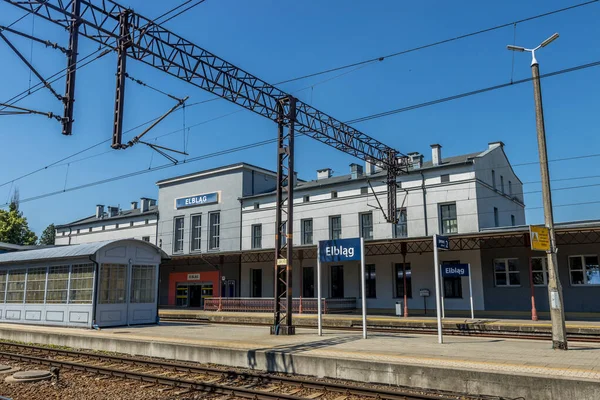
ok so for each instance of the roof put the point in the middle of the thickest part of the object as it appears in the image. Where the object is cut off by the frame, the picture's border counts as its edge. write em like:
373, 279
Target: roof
336, 180
214, 171
10, 246
62, 252
124, 214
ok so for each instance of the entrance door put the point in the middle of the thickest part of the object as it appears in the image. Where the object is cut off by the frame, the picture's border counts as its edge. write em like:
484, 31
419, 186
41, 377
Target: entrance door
337, 281
256, 283
228, 288
195, 295
308, 282
113, 293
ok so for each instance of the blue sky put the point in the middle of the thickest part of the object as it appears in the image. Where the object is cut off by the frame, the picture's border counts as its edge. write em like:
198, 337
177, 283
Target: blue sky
281, 40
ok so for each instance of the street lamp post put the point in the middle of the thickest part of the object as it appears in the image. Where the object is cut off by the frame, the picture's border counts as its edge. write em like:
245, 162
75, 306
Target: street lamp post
557, 314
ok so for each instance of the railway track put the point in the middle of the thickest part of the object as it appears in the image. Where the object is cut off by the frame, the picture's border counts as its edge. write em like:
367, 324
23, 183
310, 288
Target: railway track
231, 383
416, 330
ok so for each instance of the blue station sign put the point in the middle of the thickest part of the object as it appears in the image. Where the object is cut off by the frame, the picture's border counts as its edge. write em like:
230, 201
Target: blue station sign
454, 270
197, 200
339, 250
442, 242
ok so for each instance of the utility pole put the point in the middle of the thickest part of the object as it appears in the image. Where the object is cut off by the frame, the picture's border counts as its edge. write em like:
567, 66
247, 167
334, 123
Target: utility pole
557, 313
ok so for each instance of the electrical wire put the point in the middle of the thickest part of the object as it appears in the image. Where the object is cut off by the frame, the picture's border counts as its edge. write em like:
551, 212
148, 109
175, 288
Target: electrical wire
187, 9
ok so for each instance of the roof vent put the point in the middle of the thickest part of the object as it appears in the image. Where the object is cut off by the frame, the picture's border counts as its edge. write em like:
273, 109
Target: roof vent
356, 170
134, 205
415, 160
436, 154
113, 211
99, 211
324, 173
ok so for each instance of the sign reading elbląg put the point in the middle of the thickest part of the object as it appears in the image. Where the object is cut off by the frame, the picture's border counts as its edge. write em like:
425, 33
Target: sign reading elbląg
454, 270
339, 250
197, 200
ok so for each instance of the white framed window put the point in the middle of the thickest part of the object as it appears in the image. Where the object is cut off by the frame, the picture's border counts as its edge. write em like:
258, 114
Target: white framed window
112, 284
36, 285
502, 183
494, 179
143, 279
215, 230
366, 225
512, 220
506, 272
178, 227
58, 284
307, 231
15, 291
196, 236
496, 217
81, 284
401, 228
449, 221
510, 188
539, 271
584, 270
335, 227
257, 236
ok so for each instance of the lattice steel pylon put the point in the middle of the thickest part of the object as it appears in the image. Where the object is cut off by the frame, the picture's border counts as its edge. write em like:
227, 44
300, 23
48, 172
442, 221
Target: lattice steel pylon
152, 44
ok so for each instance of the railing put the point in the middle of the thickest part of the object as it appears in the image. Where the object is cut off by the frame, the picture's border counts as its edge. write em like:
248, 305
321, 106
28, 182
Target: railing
266, 304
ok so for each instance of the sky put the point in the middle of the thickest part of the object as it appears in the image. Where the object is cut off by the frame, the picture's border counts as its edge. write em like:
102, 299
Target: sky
280, 40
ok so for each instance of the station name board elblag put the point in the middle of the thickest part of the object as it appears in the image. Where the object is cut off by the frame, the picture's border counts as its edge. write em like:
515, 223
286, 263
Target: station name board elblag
197, 200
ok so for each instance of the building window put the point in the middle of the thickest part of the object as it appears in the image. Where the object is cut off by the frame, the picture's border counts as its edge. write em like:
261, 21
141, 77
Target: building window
335, 227
364, 190
146, 238
2, 285
257, 236
509, 188
256, 282
306, 199
512, 220
337, 281
401, 228
370, 282
116, 226
78, 230
36, 285
178, 227
539, 271
506, 272
58, 285
307, 231
215, 230
399, 278
81, 284
196, 234
112, 284
501, 183
256, 206
584, 270
308, 282
146, 222
90, 229
131, 223
15, 292
496, 217
143, 282
334, 194
103, 227
445, 178
63, 234
452, 284
448, 218
366, 226
494, 179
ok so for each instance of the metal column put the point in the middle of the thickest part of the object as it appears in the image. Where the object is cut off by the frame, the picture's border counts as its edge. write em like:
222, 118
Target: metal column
123, 43
282, 324
69, 97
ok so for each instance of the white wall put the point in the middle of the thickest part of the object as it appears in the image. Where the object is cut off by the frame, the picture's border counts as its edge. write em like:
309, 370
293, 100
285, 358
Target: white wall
110, 232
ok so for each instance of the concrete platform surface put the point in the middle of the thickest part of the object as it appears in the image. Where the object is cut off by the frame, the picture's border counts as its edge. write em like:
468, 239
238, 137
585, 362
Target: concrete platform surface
490, 366
387, 321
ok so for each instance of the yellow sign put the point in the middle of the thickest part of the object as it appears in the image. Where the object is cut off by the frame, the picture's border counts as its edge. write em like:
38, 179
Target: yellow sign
540, 238
282, 261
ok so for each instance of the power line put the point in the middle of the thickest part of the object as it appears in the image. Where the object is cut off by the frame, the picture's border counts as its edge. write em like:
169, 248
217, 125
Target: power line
414, 49
181, 12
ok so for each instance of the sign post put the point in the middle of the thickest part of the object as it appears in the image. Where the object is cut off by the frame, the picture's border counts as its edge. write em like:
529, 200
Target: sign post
540, 241
460, 270
440, 242
319, 310
339, 251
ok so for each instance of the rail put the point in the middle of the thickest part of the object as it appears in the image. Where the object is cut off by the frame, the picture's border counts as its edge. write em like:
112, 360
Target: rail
266, 304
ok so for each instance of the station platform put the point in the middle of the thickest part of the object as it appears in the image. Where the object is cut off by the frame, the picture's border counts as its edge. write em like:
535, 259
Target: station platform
508, 368
452, 325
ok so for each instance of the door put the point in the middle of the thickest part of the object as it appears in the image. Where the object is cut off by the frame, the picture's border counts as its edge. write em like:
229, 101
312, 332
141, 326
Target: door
111, 309
182, 296
256, 283
229, 288
308, 282
195, 295
337, 281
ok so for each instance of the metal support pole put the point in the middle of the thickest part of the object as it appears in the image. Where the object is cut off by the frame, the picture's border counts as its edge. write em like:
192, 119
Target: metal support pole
436, 273
404, 283
282, 324
124, 42
555, 295
69, 97
471, 293
319, 308
362, 285
534, 316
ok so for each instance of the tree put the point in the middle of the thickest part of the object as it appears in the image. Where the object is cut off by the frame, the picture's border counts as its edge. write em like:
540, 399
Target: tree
14, 228
48, 235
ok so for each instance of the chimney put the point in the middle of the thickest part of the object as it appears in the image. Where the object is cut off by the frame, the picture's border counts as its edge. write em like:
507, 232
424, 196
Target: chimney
99, 211
113, 211
151, 202
436, 154
356, 170
415, 159
145, 204
323, 173
134, 205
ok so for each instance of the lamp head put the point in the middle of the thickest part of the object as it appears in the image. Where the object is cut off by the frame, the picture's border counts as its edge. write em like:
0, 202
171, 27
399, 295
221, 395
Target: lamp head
515, 48
549, 40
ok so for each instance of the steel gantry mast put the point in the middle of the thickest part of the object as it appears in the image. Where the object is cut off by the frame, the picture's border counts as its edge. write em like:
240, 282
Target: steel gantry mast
134, 36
